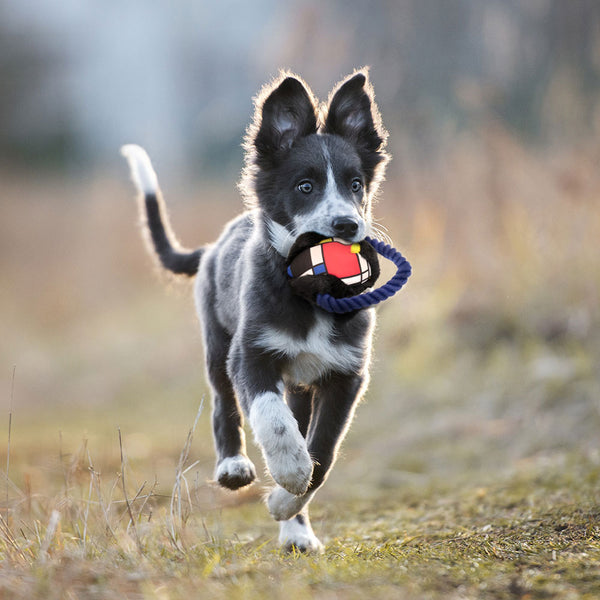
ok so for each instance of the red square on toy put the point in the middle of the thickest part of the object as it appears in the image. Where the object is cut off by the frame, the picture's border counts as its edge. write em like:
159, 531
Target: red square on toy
340, 259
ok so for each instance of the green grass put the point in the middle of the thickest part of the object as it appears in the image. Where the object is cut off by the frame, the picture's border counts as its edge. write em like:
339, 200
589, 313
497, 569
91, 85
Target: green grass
535, 534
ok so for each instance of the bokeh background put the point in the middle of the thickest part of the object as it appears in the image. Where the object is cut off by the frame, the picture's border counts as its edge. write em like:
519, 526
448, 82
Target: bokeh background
486, 363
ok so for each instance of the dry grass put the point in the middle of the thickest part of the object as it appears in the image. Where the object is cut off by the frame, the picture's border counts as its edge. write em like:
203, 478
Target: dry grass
472, 468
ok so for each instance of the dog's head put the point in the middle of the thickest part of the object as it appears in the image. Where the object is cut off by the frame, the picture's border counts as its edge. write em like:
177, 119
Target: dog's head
315, 169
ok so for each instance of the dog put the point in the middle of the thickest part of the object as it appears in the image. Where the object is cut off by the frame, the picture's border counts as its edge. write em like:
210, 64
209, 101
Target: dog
295, 371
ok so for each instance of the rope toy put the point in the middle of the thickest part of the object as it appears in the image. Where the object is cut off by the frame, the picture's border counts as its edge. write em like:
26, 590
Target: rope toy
332, 273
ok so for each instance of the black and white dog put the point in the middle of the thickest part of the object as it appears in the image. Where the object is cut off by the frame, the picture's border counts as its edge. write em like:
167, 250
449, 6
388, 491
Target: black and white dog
295, 371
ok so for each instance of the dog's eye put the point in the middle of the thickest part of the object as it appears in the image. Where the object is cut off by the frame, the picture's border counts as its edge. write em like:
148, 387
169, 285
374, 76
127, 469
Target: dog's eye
305, 187
356, 185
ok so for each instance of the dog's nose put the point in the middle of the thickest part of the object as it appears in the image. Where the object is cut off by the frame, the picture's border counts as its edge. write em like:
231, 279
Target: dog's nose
345, 227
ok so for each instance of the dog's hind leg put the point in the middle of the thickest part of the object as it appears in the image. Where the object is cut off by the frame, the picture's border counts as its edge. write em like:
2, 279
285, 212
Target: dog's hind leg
234, 469
299, 399
297, 534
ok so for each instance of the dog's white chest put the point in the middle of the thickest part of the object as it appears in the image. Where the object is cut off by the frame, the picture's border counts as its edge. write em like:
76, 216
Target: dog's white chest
312, 357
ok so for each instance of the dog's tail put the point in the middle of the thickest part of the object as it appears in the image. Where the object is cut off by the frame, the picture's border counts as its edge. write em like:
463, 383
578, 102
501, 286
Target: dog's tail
154, 214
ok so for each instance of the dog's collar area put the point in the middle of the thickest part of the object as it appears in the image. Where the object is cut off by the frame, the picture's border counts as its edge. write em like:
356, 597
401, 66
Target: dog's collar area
280, 238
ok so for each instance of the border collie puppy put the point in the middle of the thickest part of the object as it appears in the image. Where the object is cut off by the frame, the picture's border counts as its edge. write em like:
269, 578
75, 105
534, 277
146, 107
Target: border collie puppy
295, 371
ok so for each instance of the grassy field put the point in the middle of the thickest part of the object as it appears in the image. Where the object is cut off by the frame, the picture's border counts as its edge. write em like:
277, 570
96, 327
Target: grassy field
472, 469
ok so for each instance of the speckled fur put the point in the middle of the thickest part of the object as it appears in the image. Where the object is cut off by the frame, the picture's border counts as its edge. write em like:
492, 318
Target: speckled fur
294, 370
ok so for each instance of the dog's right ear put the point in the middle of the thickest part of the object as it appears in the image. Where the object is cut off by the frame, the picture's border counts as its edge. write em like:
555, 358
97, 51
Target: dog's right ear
287, 113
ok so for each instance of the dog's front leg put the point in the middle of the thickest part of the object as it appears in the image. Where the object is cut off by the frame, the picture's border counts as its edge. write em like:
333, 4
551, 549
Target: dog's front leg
260, 387
334, 403
282, 444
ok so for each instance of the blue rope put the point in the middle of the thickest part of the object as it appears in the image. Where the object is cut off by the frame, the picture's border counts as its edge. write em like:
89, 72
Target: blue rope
344, 305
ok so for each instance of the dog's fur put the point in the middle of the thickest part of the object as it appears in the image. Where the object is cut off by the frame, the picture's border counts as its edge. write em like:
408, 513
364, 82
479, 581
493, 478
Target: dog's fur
295, 371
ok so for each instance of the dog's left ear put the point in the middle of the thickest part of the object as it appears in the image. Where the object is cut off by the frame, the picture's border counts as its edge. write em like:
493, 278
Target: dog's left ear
287, 114
353, 115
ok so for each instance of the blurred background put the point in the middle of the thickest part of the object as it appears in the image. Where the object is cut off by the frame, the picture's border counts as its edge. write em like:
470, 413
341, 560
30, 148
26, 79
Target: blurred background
486, 362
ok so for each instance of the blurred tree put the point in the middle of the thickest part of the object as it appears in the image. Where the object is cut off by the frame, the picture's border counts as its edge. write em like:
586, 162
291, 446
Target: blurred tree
78, 81
33, 131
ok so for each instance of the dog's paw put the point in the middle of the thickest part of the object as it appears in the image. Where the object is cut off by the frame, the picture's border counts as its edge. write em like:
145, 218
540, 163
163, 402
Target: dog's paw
283, 446
296, 535
283, 506
235, 472
292, 470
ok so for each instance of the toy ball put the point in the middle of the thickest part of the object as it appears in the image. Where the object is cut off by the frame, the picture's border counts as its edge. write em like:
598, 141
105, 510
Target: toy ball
335, 257
333, 273
331, 266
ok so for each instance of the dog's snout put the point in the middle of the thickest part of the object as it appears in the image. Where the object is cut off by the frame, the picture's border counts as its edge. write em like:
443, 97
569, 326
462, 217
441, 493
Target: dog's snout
345, 226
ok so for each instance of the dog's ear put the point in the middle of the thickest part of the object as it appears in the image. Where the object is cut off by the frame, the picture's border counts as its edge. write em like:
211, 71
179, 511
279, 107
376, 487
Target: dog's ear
287, 114
353, 115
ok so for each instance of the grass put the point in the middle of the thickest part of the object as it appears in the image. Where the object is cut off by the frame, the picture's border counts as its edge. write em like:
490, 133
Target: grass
471, 471
535, 534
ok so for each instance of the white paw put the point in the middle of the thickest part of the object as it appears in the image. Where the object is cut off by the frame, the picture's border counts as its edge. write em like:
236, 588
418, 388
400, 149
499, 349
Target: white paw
283, 505
297, 534
291, 468
235, 472
283, 446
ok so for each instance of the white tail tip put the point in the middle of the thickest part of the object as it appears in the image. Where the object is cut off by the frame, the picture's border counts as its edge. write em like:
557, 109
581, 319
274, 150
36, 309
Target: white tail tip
142, 173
